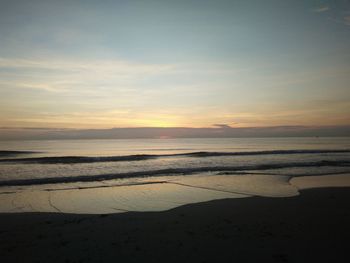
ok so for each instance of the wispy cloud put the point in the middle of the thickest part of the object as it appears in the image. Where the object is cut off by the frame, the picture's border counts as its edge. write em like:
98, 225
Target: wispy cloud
64, 75
105, 93
347, 20
341, 19
321, 9
97, 66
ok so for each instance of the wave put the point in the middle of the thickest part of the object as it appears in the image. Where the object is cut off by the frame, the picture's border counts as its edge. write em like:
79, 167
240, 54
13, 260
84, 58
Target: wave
79, 159
14, 153
169, 172
142, 157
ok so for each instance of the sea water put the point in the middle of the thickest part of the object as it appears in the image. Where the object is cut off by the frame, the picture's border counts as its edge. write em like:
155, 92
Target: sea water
156, 174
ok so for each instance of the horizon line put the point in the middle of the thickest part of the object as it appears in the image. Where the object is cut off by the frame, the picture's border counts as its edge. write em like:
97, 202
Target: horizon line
223, 126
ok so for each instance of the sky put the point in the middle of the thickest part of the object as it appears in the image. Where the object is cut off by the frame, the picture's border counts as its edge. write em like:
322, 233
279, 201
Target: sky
185, 63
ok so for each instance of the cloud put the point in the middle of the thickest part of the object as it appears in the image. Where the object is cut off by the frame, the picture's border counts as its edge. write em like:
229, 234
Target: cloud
222, 126
172, 132
341, 19
321, 9
97, 66
91, 76
347, 20
64, 75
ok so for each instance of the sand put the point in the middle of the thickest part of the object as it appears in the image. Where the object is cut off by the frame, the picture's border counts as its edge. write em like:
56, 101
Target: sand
311, 227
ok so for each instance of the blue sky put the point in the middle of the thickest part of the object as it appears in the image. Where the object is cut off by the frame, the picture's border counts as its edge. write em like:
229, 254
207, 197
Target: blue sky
103, 64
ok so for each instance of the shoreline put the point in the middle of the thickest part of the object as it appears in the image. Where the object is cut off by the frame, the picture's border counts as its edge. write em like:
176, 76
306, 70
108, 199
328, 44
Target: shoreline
313, 226
159, 194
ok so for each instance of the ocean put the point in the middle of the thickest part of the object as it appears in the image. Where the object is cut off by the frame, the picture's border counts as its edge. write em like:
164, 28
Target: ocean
240, 166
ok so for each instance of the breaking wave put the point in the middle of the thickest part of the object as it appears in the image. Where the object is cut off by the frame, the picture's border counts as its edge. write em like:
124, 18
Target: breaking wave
143, 157
172, 171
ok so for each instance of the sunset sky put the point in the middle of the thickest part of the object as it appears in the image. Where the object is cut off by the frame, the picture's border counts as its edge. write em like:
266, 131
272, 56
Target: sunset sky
183, 63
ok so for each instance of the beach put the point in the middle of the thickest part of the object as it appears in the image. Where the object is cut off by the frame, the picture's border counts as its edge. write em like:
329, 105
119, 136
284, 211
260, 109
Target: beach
174, 131
311, 227
193, 200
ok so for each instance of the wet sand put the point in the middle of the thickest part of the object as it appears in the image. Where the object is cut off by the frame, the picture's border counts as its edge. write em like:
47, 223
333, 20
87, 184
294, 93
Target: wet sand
311, 227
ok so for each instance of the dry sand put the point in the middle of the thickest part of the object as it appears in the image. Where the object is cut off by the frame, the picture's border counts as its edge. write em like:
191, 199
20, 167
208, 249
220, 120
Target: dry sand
311, 227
